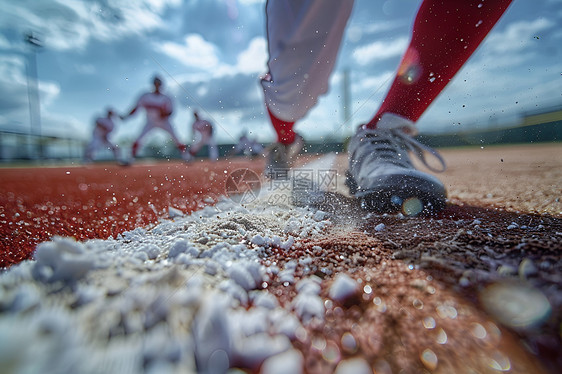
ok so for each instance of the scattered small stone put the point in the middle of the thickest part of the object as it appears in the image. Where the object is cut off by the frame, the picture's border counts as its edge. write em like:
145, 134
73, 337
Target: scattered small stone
349, 343
516, 304
343, 288
420, 284
308, 307
319, 216
429, 359
289, 362
258, 240
264, 300
464, 282
174, 213
242, 276
507, 270
527, 268
310, 285
512, 226
353, 366
286, 245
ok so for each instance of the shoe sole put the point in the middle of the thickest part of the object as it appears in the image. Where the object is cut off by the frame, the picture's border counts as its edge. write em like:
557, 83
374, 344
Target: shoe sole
401, 193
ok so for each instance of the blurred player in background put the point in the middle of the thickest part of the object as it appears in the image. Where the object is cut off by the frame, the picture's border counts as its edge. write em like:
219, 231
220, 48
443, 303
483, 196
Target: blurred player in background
247, 146
202, 134
158, 108
100, 137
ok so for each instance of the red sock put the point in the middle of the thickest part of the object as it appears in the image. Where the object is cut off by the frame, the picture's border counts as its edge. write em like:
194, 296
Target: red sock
444, 36
284, 129
135, 149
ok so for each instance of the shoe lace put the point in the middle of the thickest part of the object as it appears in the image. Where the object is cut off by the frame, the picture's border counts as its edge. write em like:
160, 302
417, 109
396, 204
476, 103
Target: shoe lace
390, 145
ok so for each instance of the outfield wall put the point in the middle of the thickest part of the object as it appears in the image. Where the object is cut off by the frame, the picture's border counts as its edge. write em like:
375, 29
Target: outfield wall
22, 147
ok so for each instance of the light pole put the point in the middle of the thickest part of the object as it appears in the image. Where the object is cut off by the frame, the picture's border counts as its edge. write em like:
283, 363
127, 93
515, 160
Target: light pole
346, 102
33, 91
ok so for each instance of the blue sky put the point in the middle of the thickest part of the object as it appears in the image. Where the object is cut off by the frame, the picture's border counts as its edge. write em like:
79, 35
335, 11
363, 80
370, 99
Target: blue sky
211, 54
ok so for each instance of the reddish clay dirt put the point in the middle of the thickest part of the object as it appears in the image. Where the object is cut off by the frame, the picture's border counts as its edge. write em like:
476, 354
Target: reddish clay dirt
100, 200
422, 306
427, 279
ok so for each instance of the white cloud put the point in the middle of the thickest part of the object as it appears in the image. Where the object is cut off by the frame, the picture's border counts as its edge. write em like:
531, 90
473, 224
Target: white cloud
88, 69
355, 32
157, 5
254, 58
374, 83
4, 43
508, 49
13, 86
194, 52
11, 69
380, 50
14, 92
49, 92
517, 36
494, 89
66, 25
251, 2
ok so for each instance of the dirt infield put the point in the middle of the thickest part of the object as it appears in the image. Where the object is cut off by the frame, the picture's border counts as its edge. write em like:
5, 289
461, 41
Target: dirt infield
100, 200
477, 288
492, 253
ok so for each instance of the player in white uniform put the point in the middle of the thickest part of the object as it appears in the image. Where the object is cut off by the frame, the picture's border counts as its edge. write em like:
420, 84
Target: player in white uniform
100, 137
158, 108
247, 147
304, 37
202, 134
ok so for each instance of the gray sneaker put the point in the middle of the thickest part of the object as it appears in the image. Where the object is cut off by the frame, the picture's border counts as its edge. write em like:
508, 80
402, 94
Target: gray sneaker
381, 173
280, 158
